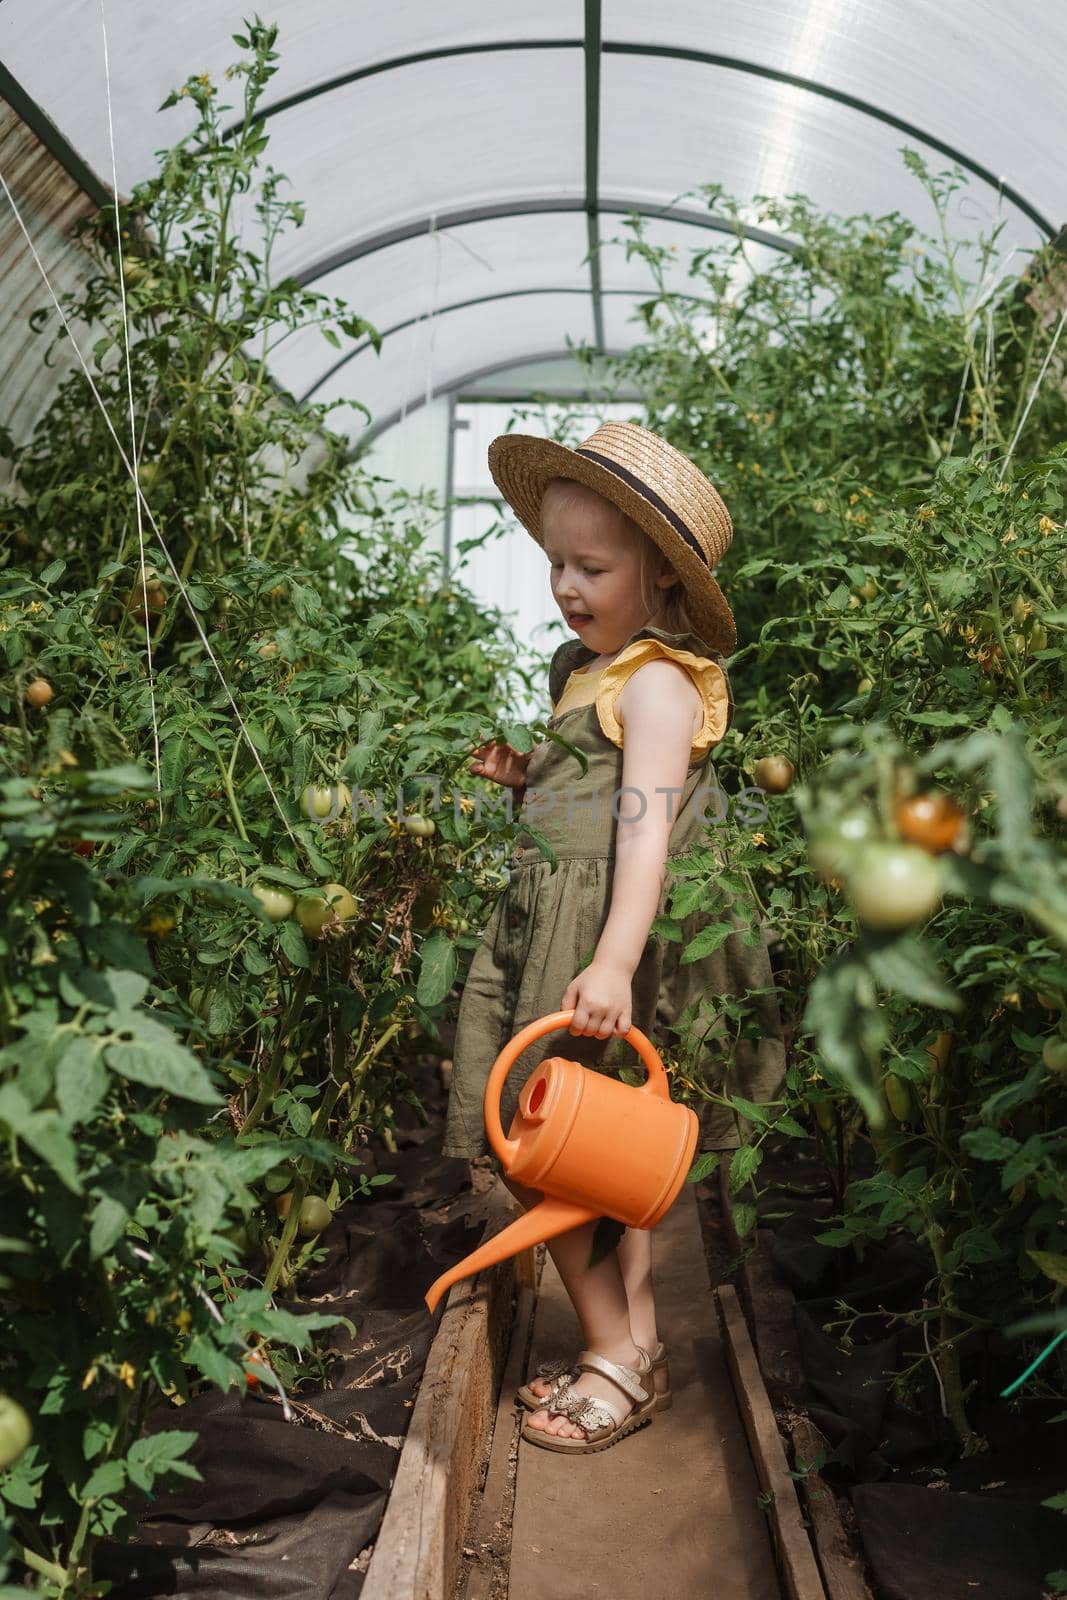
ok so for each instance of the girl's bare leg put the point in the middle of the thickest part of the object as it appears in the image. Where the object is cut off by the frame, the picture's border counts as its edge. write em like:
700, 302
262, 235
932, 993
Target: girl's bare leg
598, 1295
635, 1260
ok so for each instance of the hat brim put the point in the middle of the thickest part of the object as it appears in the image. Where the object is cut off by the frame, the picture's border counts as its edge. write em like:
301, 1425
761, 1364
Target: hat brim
522, 464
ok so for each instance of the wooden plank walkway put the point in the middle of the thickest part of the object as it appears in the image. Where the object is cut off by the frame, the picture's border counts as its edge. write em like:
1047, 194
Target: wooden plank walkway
671, 1511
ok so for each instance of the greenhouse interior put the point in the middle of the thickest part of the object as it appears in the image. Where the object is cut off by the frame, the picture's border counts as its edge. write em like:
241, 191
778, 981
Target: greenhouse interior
533, 800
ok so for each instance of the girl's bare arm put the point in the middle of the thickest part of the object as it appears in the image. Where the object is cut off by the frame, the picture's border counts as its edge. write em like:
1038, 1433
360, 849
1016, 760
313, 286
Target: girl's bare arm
661, 710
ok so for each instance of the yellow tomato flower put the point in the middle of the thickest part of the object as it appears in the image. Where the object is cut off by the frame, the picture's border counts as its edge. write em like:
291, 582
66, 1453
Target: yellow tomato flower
127, 1374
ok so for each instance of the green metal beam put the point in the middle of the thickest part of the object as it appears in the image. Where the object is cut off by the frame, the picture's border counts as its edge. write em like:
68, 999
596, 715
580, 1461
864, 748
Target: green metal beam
413, 58
592, 158
348, 253
460, 384
464, 305
679, 53
855, 103
39, 124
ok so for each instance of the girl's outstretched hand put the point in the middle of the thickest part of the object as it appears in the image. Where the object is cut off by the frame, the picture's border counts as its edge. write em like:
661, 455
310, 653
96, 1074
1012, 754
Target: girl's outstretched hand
500, 763
600, 997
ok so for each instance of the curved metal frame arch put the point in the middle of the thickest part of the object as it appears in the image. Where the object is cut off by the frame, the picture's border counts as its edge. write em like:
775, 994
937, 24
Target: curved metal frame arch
595, 47
461, 382
680, 53
479, 300
527, 208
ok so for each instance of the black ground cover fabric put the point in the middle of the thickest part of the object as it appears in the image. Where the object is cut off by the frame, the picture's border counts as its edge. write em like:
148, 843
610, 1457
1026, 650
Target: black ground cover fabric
932, 1523
285, 1509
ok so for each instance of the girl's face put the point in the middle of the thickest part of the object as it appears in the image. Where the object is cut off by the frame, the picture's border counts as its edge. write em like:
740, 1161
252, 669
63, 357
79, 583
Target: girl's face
596, 570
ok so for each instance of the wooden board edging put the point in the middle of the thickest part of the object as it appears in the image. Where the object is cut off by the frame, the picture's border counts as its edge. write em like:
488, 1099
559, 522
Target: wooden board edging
796, 1560
416, 1555
769, 1304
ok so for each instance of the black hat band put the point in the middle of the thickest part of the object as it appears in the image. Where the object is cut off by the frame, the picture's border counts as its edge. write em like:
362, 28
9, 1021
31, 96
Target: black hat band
634, 482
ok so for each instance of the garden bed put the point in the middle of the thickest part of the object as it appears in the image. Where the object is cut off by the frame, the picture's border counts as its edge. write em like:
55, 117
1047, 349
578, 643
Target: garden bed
887, 1455
289, 1508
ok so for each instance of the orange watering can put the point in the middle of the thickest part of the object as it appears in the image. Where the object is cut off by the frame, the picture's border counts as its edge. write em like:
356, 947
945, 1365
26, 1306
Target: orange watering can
593, 1146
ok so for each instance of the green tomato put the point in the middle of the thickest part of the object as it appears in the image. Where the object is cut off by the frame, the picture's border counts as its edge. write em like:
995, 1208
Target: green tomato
316, 803
898, 1096
277, 905
1054, 1055
834, 839
16, 1431
774, 773
892, 885
421, 827
315, 1215
200, 1002
316, 912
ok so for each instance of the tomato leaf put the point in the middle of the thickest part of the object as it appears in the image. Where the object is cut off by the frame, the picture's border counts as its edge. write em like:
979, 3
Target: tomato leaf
159, 1455
907, 966
108, 1479
745, 1160
109, 1222
437, 969
163, 1065
45, 1134
294, 945
705, 1164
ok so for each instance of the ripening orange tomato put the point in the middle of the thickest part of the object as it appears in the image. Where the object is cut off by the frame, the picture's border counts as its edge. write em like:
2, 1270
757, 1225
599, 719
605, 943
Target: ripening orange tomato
932, 820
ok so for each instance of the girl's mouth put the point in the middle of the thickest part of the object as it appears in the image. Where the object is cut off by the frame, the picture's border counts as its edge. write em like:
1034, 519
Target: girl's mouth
578, 619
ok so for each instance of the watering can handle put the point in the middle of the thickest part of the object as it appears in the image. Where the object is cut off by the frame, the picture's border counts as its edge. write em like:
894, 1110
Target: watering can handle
656, 1082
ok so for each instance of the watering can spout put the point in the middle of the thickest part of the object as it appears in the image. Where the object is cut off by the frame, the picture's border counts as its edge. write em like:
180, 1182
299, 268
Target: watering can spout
544, 1221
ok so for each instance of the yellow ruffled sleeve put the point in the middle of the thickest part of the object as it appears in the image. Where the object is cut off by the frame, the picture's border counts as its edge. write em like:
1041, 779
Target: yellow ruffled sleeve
707, 675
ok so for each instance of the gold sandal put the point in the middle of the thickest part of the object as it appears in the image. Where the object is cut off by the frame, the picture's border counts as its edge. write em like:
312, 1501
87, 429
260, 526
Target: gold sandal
560, 1375
603, 1422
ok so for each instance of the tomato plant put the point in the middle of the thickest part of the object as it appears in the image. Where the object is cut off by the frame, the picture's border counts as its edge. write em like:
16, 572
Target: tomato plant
898, 596
173, 1048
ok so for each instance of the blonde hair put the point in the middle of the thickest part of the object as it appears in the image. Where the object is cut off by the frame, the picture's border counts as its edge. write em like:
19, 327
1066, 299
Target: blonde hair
670, 605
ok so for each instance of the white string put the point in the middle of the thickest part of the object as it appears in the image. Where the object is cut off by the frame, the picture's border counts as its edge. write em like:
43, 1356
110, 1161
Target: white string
433, 310
147, 508
959, 407
268, 1370
1033, 391
133, 421
418, 322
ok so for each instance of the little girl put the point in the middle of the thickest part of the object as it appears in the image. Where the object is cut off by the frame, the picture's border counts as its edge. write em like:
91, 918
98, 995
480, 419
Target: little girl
633, 531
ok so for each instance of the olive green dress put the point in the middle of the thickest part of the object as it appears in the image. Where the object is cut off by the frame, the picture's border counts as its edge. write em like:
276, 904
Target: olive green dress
545, 926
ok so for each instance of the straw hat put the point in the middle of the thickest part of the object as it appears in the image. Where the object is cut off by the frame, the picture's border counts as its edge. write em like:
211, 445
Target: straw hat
651, 482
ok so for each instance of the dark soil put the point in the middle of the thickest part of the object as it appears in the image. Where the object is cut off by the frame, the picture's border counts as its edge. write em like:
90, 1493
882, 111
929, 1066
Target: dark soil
289, 1509
931, 1520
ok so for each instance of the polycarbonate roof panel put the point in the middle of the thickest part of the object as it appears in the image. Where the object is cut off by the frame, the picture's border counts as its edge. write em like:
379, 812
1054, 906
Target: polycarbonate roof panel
433, 272
755, 136
983, 76
55, 50
438, 354
394, 121
429, 139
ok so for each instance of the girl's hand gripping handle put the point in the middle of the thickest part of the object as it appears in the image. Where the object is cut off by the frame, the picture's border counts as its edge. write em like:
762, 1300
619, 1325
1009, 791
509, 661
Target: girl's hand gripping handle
505, 1149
